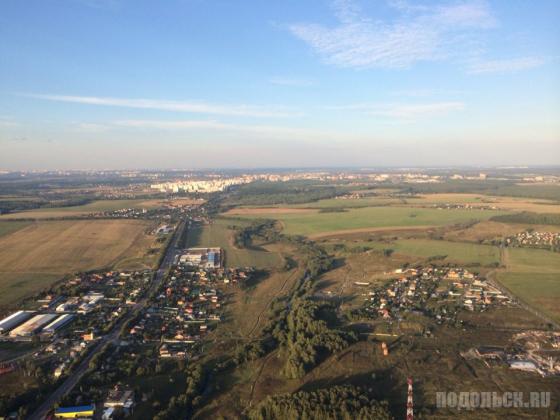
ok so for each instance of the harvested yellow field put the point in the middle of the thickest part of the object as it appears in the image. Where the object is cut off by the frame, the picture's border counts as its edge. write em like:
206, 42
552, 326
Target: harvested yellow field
33, 257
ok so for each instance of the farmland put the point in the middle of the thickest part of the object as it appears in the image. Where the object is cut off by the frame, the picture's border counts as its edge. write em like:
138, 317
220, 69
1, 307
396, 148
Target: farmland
93, 207
474, 200
219, 234
9, 227
41, 253
314, 224
534, 276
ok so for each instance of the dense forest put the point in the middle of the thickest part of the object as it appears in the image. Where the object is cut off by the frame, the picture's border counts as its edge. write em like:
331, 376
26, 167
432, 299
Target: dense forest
488, 187
271, 193
338, 402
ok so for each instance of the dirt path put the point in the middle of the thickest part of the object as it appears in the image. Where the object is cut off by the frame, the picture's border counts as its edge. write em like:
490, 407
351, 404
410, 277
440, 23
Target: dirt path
265, 308
259, 373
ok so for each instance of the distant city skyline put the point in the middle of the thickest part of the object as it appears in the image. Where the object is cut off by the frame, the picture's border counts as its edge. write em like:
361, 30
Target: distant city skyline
109, 84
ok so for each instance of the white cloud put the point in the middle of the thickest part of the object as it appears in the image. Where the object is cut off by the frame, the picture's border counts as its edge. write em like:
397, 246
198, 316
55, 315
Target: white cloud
174, 106
91, 127
419, 34
260, 131
507, 65
408, 112
418, 110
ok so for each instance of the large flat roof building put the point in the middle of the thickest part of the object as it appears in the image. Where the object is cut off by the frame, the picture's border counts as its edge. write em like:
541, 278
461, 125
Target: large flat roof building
33, 326
14, 320
59, 322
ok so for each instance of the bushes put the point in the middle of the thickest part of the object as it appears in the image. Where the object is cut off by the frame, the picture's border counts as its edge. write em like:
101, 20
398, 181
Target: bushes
263, 229
184, 405
338, 402
529, 218
304, 336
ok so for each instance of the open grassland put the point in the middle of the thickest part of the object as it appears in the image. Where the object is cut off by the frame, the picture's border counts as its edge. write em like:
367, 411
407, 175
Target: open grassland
219, 234
488, 230
540, 290
534, 276
94, 207
248, 309
35, 256
475, 200
368, 201
532, 260
322, 224
9, 227
457, 252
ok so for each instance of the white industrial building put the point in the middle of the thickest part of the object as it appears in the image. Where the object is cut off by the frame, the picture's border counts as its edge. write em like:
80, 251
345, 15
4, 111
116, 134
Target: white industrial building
58, 323
33, 326
14, 320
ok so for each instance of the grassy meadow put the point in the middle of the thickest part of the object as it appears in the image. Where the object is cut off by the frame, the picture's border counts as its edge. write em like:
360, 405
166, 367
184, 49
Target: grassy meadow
423, 200
534, 276
218, 234
456, 252
323, 224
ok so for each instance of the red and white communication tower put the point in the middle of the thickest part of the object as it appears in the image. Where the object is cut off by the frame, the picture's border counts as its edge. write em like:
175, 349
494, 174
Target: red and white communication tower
409, 403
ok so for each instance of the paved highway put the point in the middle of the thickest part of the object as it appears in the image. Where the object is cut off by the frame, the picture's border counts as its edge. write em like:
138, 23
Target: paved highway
171, 252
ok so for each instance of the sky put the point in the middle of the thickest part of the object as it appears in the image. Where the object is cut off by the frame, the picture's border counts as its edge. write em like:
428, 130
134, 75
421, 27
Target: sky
132, 84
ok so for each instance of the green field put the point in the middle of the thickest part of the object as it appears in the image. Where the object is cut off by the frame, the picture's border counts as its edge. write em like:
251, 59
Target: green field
532, 260
218, 234
459, 252
93, 207
427, 200
534, 276
349, 203
314, 223
9, 227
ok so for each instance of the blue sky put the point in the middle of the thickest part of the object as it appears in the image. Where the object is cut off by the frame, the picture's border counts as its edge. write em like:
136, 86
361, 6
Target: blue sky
220, 83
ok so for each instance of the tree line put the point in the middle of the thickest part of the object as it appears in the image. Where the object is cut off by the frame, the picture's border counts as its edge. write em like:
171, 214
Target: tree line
334, 403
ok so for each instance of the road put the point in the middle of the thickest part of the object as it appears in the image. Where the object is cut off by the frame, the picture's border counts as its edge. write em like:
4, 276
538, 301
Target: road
69, 383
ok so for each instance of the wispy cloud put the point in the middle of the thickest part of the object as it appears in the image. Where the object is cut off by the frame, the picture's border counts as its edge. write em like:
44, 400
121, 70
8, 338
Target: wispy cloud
423, 93
409, 112
8, 122
268, 131
174, 106
420, 33
507, 65
91, 127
